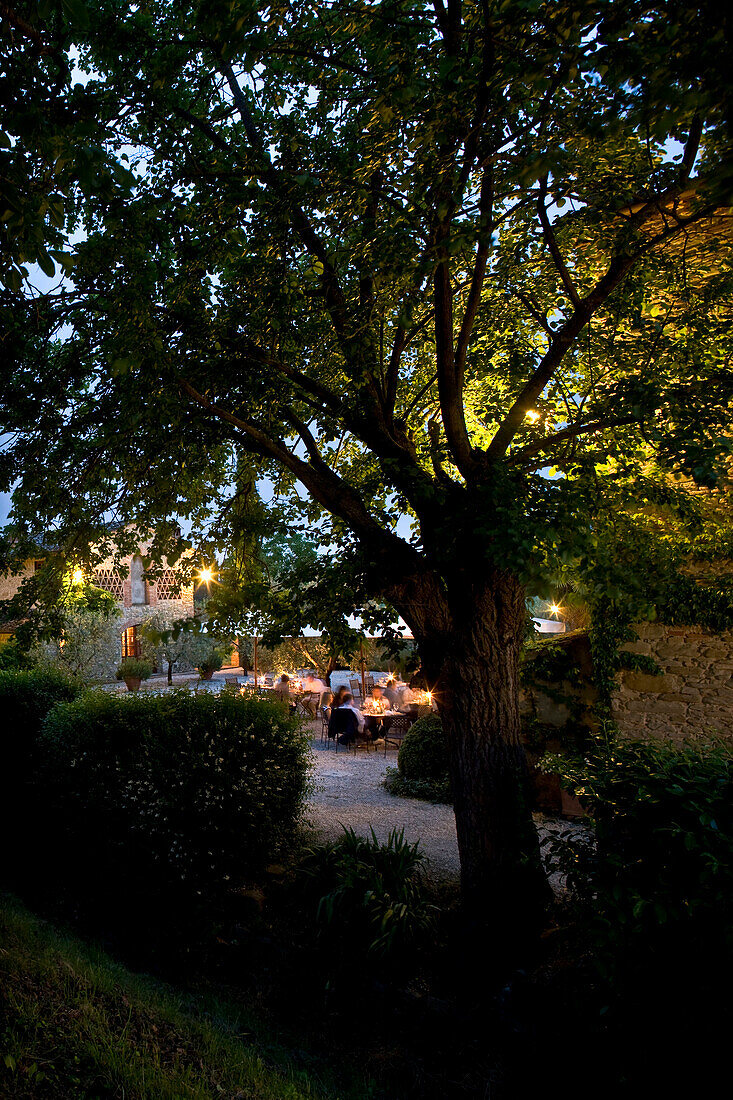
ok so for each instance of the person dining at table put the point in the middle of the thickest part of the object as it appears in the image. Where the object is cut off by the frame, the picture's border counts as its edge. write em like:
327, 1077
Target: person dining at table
377, 704
283, 689
346, 703
315, 687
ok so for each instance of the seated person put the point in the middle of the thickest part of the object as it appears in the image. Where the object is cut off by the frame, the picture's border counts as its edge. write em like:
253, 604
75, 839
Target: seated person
376, 704
316, 687
283, 690
347, 703
391, 691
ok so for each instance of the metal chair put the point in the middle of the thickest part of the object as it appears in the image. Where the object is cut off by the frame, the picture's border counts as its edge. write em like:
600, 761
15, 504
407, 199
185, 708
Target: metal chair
369, 684
343, 724
325, 719
397, 732
355, 686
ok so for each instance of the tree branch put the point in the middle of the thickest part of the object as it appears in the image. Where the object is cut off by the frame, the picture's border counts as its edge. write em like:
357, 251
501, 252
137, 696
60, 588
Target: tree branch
571, 432
332, 492
450, 375
551, 243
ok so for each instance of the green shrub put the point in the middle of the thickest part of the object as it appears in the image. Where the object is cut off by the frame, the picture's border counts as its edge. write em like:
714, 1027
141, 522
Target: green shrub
153, 794
26, 698
211, 663
134, 668
428, 790
424, 752
659, 877
13, 656
371, 894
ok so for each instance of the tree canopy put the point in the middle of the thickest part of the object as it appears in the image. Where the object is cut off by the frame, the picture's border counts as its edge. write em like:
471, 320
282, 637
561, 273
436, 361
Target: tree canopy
466, 262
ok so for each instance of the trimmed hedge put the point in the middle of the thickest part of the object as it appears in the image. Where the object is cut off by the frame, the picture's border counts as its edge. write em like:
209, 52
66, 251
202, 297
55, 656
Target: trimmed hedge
424, 752
422, 763
26, 698
178, 792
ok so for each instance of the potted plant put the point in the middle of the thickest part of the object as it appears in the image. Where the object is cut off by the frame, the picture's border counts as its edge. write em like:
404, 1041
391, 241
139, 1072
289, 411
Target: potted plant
210, 664
133, 670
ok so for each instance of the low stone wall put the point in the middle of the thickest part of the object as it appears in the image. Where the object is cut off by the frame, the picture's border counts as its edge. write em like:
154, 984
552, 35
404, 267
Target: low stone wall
694, 695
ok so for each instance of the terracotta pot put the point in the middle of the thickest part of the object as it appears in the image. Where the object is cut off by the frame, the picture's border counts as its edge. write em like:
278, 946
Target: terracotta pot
133, 683
206, 675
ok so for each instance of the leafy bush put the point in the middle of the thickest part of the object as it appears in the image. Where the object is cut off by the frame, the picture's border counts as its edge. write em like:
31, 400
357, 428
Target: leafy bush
26, 697
422, 763
134, 668
13, 656
371, 893
428, 790
176, 792
659, 878
211, 663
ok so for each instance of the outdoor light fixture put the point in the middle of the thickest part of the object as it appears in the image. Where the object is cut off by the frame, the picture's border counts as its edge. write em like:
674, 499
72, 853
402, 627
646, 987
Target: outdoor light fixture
206, 576
532, 415
555, 609
77, 576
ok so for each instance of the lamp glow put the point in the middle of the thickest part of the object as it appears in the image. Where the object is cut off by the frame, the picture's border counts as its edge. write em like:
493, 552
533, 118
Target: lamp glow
206, 576
77, 576
532, 415
555, 609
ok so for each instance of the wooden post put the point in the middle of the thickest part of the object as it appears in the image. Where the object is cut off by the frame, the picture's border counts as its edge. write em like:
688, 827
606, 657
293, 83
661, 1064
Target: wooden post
255, 659
363, 679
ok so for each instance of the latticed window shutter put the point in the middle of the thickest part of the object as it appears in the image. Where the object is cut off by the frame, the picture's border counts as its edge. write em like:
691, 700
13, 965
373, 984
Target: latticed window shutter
110, 580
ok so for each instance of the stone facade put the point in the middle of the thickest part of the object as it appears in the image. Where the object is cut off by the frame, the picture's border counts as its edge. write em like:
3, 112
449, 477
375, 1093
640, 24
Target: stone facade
694, 694
137, 598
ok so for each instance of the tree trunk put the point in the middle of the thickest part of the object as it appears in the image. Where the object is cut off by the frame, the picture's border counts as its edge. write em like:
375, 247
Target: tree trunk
170, 672
472, 665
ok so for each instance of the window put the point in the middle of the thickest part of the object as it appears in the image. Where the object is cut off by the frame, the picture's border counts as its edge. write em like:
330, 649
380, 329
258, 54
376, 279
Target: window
110, 580
131, 643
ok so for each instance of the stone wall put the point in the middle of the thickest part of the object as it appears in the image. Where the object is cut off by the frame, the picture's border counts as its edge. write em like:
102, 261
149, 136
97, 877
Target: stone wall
694, 694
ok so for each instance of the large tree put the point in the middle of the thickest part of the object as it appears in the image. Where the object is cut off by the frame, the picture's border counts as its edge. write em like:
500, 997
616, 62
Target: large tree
460, 261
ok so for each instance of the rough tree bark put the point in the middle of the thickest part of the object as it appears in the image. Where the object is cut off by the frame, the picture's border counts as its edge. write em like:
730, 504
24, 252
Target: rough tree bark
469, 635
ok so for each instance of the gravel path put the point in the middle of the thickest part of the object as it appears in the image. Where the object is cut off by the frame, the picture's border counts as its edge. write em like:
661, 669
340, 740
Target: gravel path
349, 792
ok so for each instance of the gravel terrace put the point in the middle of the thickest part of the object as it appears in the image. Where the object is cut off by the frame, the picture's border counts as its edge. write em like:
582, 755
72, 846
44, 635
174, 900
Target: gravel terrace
349, 792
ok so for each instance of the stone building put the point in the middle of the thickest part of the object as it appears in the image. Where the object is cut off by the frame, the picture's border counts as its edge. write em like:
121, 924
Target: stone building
138, 599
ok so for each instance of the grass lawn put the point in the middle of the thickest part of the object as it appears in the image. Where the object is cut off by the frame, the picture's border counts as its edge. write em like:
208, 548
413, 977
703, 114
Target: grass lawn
75, 1024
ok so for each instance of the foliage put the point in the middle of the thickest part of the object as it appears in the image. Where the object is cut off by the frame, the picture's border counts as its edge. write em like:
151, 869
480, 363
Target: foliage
658, 880
212, 662
26, 698
688, 601
373, 892
639, 662
548, 661
178, 642
13, 656
424, 752
407, 259
150, 795
134, 668
427, 790
76, 1023
89, 644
